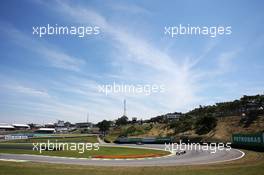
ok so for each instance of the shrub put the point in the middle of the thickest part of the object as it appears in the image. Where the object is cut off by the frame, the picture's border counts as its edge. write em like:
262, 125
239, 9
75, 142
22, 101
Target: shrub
205, 124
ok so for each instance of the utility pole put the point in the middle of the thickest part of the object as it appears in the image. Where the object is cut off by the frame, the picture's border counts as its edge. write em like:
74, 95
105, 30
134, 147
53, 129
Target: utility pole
124, 107
87, 118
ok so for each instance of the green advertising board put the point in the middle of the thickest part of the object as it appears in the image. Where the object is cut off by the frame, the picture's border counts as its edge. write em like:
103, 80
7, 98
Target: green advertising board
256, 139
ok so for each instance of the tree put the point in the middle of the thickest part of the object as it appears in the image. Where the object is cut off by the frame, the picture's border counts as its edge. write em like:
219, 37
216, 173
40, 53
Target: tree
205, 124
250, 117
104, 126
122, 121
184, 124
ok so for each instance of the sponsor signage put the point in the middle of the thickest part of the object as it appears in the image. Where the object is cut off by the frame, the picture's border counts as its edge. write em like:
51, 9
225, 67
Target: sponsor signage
248, 139
18, 136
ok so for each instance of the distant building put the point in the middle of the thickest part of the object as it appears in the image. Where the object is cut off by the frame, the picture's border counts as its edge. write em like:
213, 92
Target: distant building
173, 116
21, 126
49, 125
60, 123
6, 127
45, 131
35, 126
134, 119
84, 125
62, 129
69, 125
95, 130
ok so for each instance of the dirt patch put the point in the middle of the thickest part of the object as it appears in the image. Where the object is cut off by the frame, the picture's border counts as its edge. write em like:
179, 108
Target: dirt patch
128, 156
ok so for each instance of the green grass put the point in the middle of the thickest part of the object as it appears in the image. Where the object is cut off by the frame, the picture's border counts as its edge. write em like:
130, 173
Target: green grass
73, 135
110, 138
251, 164
87, 154
77, 138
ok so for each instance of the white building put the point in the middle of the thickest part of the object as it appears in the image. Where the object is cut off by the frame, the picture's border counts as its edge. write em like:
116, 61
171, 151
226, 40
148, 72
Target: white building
45, 131
60, 123
6, 127
21, 126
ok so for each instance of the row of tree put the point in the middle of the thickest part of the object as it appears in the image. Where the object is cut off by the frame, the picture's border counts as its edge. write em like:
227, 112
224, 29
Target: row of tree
105, 125
236, 107
201, 124
202, 119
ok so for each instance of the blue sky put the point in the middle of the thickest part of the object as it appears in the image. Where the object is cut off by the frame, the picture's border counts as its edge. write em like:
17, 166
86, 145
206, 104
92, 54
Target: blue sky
57, 77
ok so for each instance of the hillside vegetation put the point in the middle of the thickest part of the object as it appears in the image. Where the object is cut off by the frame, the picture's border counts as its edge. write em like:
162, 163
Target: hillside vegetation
206, 123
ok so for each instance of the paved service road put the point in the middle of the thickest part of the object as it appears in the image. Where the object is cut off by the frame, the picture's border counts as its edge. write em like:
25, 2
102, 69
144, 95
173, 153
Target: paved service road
189, 158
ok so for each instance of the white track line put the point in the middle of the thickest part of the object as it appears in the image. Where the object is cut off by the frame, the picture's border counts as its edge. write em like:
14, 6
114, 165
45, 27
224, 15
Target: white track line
14, 160
222, 161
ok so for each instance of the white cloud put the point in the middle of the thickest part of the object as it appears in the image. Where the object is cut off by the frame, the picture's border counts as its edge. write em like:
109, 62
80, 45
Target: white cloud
136, 53
24, 90
55, 56
61, 60
139, 61
30, 91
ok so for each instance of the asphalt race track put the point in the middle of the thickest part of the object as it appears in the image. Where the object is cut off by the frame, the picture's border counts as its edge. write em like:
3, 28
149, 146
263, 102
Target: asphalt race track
192, 157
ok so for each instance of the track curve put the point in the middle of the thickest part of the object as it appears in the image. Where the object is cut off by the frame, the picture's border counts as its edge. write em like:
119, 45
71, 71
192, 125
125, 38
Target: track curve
192, 157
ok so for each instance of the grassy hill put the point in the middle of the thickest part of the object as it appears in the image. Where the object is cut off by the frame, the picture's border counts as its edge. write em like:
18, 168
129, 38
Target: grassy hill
222, 132
231, 124
206, 123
